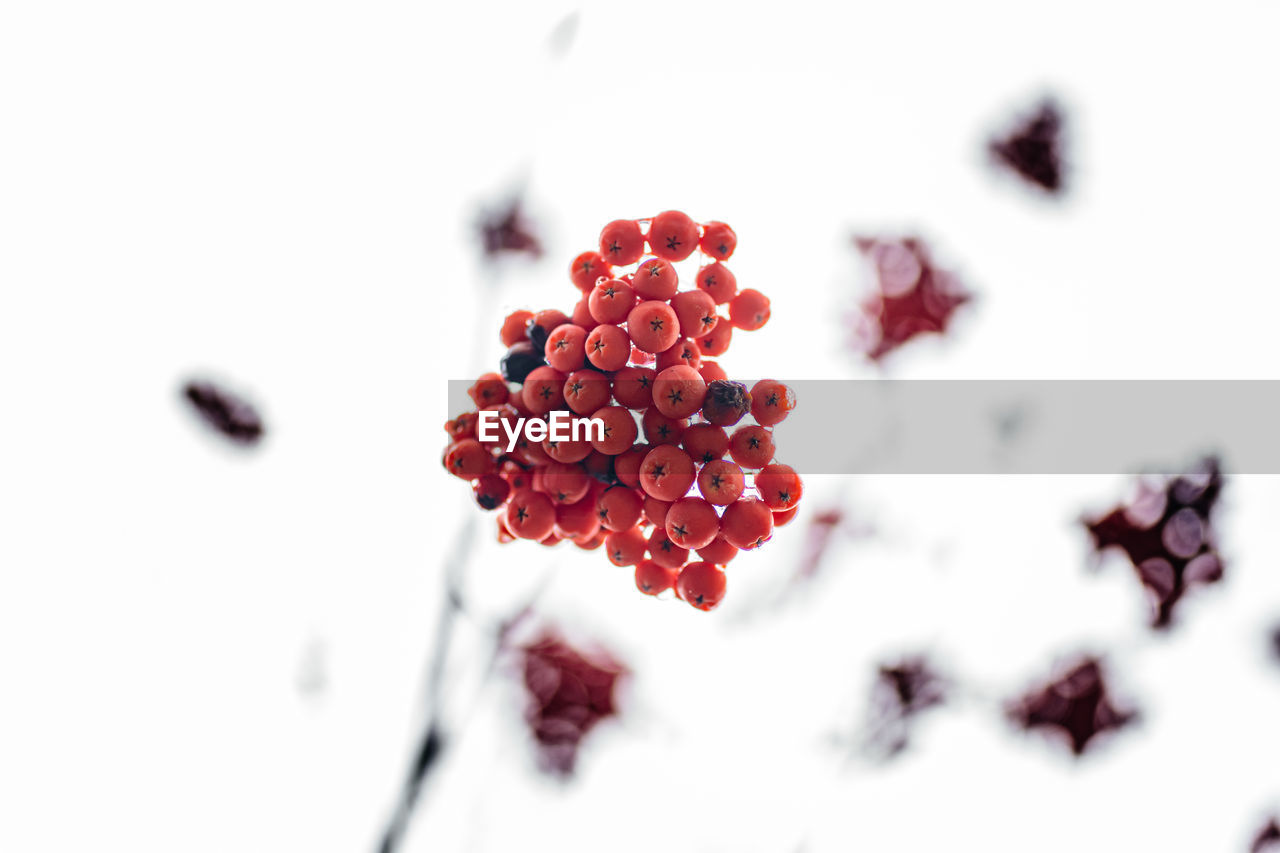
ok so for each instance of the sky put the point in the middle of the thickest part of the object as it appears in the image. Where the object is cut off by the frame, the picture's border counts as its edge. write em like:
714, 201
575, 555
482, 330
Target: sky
208, 649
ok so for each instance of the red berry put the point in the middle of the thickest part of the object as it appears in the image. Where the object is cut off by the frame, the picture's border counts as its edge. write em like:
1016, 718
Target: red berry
598, 466
468, 459
684, 351
585, 391
577, 520
726, 402
655, 279
679, 391
621, 242
692, 523
587, 268
625, 547
543, 324
718, 240
779, 487
504, 535
567, 450
611, 301
530, 515
711, 371
581, 315
672, 235
566, 347
639, 356
626, 466
664, 552
721, 482
543, 390
654, 579
608, 347
464, 425
655, 511
563, 482
715, 342
771, 402
784, 517
718, 282
633, 387
719, 552
660, 429
749, 310
696, 311
514, 327
620, 430
702, 584
751, 446
490, 491
619, 508
667, 473
747, 523
653, 326
489, 390
592, 542
705, 442
516, 476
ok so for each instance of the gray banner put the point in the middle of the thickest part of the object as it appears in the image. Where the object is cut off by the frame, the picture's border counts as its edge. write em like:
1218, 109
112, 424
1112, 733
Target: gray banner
1023, 426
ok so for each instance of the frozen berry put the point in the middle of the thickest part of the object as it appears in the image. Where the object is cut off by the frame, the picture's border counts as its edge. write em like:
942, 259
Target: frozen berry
779, 487
608, 347
621, 242
718, 240
655, 279
653, 326
696, 311
660, 429
468, 459
692, 523
653, 578
705, 442
565, 347
721, 482
611, 301
588, 268
619, 508
530, 515
747, 523
771, 402
514, 328
633, 387
751, 446
667, 473
625, 547
702, 585
679, 391
543, 390
664, 552
716, 342
672, 235
719, 551
585, 391
718, 282
749, 310
620, 430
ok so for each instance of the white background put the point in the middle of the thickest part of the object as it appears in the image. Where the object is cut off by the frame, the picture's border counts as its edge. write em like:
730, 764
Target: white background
283, 194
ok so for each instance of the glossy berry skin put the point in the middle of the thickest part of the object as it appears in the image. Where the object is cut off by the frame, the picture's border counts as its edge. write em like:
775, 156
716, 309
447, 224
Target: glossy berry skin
726, 402
585, 391
653, 326
692, 523
468, 459
489, 390
721, 482
620, 430
655, 579
719, 552
751, 446
514, 328
715, 342
586, 269
660, 429
771, 402
683, 352
633, 387
530, 515
747, 523
611, 301
679, 391
717, 282
626, 466
608, 347
696, 311
655, 279
779, 486
702, 585
564, 482
619, 508
784, 517
566, 347
705, 442
718, 241
490, 491
625, 547
543, 324
581, 315
655, 511
672, 235
711, 371
749, 310
621, 242
664, 552
543, 390
667, 473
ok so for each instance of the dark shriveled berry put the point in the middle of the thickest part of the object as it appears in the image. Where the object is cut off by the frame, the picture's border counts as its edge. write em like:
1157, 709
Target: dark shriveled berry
521, 359
726, 402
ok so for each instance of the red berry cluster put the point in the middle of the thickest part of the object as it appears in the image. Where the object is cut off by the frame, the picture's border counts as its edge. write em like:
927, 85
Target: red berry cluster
633, 354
